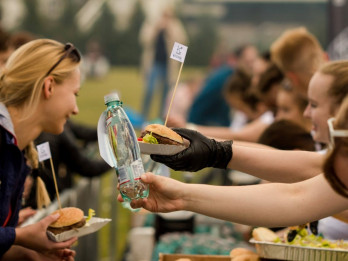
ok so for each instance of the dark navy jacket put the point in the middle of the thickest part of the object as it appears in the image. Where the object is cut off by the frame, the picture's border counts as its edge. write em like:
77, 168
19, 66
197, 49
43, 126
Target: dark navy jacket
13, 171
210, 107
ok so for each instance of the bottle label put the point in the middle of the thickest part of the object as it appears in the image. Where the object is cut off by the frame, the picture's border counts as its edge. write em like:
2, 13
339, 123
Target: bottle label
138, 169
123, 175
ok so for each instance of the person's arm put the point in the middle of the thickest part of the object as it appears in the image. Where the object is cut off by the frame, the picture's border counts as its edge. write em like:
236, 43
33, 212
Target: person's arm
270, 205
276, 165
272, 165
251, 132
16, 253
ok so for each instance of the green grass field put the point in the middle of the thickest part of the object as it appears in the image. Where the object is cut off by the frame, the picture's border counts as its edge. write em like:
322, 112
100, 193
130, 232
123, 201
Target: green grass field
128, 83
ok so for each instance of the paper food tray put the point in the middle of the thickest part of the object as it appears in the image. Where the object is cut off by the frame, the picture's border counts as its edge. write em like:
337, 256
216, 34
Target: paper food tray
160, 149
292, 252
93, 225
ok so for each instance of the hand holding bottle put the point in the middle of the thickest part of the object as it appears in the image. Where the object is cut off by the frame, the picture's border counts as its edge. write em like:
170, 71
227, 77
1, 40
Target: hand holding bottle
202, 152
166, 194
124, 148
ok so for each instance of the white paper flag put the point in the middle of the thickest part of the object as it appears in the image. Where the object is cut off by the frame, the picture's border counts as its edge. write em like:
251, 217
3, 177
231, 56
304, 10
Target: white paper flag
44, 151
179, 52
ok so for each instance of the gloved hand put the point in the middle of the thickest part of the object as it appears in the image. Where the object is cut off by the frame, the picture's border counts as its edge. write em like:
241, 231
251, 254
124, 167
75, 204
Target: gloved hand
201, 153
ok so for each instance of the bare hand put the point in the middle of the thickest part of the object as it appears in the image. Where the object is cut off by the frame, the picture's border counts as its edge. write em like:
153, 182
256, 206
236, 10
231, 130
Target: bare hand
34, 237
21, 253
24, 214
58, 255
165, 195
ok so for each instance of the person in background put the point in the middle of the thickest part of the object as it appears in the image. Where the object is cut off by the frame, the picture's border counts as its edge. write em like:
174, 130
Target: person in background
17, 39
4, 47
291, 106
10, 42
298, 55
250, 114
95, 64
210, 108
221, 56
26, 92
268, 85
287, 135
157, 39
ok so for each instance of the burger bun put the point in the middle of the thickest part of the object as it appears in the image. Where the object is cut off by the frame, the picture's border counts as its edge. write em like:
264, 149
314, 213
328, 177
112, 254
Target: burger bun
69, 218
164, 132
264, 234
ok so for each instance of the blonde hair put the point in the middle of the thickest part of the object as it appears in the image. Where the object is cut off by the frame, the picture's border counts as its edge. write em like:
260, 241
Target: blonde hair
22, 79
339, 87
297, 50
341, 147
32, 155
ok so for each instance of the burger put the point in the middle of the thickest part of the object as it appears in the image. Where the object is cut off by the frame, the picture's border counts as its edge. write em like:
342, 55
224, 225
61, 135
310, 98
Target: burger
160, 134
70, 218
264, 234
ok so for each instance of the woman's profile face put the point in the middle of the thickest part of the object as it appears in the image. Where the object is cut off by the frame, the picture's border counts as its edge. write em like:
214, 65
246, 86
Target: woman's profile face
61, 104
319, 108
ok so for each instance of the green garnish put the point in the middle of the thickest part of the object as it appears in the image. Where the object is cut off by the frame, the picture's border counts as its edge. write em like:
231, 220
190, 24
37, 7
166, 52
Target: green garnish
148, 138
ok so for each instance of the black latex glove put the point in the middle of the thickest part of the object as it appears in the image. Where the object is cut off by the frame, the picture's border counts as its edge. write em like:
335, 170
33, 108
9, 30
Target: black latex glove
201, 153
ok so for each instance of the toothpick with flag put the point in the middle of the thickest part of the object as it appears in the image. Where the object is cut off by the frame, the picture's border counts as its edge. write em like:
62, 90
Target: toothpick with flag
44, 152
178, 53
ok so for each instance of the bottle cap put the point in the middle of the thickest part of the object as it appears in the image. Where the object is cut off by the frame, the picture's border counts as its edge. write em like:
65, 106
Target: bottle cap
111, 97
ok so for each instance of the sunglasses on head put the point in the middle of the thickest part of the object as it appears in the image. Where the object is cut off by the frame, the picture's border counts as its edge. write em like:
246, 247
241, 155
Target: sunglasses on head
69, 48
335, 133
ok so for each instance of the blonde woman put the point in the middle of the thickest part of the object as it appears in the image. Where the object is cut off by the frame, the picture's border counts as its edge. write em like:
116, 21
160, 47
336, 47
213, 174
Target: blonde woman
38, 89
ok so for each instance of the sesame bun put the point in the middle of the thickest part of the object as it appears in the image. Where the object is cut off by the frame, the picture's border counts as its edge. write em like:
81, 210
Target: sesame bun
264, 234
69, 218
165, 132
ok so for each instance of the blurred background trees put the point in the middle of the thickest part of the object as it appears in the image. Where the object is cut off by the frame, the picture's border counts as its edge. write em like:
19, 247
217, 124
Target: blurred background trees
115, 23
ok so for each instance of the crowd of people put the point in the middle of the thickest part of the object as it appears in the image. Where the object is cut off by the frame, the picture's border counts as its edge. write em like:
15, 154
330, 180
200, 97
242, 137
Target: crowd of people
281, 116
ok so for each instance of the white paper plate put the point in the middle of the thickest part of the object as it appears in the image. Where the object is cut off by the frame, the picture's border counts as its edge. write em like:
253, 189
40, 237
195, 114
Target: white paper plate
160, 149
93, 225
292, 252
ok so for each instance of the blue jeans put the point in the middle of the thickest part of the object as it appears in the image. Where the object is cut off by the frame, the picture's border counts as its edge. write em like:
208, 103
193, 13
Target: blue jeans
158, 74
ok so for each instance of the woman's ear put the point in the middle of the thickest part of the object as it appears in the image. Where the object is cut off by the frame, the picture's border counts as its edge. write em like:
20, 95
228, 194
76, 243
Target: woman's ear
48, 87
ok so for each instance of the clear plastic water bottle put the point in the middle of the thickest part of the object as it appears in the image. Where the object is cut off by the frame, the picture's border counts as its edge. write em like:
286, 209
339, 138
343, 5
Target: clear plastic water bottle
125, 149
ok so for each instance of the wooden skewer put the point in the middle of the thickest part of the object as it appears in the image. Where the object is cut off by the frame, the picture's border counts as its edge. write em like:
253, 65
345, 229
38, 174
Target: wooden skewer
55, 184
171, 100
